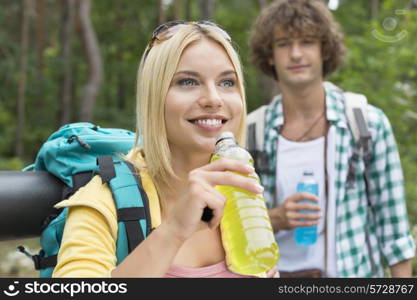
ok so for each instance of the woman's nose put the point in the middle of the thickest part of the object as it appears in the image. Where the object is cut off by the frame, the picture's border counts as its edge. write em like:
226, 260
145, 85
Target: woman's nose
211, 97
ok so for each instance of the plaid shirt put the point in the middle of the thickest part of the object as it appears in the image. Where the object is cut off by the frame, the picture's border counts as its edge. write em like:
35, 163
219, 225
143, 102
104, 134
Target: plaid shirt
388, 235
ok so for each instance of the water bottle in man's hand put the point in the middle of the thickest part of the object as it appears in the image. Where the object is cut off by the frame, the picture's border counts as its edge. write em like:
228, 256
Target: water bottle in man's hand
306, 236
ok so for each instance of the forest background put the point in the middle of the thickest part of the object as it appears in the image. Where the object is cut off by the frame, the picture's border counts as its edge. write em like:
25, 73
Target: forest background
66, 61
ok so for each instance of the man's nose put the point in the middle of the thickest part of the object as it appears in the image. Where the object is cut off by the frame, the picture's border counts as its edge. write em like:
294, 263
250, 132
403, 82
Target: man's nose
295, 51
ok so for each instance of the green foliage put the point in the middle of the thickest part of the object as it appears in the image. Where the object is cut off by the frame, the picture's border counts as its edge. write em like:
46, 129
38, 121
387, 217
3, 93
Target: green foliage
11, 164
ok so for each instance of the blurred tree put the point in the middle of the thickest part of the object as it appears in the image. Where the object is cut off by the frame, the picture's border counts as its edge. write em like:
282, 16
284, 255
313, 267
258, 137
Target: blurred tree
68, 17
374, 8
40, 48
178, 10
94, 61
162, 14
207, 9
21, 100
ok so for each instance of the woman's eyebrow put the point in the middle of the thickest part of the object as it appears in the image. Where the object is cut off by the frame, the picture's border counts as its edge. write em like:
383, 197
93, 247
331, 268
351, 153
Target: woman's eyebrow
228, 72
186, 72
196, 74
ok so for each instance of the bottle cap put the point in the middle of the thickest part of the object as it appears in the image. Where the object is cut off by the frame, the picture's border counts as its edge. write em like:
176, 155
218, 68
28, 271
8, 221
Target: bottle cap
225, 135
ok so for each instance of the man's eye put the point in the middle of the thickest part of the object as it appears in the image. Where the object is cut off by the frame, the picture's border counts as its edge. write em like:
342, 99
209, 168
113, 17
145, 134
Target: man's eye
227, 83
308, 41
188, 82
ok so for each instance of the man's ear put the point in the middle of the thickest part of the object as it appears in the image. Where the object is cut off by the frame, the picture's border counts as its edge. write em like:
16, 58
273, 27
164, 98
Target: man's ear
271, 61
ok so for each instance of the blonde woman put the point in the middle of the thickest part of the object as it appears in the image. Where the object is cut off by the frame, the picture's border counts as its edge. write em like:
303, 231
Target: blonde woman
190, 89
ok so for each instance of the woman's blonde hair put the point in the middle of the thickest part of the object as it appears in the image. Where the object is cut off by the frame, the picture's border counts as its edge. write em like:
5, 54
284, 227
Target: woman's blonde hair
155, 74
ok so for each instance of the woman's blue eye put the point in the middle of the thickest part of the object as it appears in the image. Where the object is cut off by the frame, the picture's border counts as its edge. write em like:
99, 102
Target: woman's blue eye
187, 82
227, 83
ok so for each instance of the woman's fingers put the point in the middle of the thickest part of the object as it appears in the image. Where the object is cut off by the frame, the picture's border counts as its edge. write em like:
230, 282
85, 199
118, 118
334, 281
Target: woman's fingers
273, 273
214, 178
227, 164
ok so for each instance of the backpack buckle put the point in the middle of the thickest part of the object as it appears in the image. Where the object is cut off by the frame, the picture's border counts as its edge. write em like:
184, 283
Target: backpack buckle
36, 258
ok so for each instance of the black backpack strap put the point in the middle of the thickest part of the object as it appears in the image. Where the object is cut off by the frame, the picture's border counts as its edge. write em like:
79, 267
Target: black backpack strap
144, 196
39, 260
131, 202
44, 262
130, 217
78, 180
106, 166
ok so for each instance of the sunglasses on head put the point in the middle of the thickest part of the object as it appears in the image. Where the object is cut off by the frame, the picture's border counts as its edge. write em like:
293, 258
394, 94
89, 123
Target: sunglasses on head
167, 30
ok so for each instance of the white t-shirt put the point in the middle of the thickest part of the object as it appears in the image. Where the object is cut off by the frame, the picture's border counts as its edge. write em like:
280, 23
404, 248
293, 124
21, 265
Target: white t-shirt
293, 159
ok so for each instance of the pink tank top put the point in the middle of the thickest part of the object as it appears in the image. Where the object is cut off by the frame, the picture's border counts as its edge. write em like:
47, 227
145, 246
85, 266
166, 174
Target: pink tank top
218, 270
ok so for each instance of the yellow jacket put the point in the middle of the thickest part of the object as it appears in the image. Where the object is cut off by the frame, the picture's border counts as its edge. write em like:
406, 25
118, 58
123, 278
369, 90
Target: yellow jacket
88, 247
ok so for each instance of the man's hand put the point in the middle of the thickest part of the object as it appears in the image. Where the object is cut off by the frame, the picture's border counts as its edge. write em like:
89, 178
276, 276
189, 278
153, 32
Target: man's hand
288, 215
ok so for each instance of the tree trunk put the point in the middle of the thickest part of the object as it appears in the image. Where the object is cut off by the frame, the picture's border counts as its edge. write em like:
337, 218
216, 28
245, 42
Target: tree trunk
94, 62
66, 41
119, 78
188, 10
161, 15
262, 4
178, 9
207, 9
40, 47
269, 87
21, 99
374, 9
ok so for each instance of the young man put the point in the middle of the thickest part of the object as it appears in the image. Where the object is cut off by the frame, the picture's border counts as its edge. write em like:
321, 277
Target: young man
360, 225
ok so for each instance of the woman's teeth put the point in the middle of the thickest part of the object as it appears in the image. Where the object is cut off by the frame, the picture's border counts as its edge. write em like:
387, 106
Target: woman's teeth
209, 122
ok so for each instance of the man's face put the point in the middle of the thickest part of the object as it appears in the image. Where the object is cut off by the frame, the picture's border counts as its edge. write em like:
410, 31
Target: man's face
297, 59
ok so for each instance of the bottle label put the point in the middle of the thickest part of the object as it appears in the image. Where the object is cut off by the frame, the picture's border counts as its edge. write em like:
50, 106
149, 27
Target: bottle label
306, 236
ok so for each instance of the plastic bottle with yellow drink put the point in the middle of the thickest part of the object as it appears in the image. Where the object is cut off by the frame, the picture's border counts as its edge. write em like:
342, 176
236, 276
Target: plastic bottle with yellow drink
246, 229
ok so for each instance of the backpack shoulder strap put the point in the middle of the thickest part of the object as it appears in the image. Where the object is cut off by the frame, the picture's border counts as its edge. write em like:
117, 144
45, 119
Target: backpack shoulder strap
357, 116
356, 113
255, 139
256, 124
131, 200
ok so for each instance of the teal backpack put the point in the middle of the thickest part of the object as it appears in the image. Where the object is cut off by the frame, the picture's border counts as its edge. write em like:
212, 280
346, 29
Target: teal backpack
74, 154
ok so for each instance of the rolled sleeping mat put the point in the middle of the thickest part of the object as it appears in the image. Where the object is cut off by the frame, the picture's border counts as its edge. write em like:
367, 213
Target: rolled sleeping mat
26, 200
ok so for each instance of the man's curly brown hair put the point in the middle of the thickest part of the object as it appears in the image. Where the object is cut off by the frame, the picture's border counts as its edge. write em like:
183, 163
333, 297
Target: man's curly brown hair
298, 18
